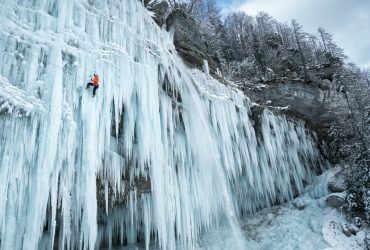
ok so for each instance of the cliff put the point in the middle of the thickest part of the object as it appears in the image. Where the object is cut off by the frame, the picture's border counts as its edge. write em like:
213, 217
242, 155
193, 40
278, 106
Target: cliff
319, 103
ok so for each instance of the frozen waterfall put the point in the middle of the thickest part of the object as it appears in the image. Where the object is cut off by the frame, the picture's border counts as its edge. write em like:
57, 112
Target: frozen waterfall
160, 155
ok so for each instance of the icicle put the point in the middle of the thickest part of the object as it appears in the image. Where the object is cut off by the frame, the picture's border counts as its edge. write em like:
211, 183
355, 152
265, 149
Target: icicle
205, 67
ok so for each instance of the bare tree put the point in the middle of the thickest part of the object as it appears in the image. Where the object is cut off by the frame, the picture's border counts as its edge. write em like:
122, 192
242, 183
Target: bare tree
325, 38
186, 5
300, 36
329, 45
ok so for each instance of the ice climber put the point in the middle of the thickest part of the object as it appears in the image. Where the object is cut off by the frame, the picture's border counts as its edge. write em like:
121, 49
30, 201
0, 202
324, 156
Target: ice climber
93, 82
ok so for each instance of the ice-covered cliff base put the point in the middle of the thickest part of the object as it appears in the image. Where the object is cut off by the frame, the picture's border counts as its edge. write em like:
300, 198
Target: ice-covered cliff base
161, 155
307, 222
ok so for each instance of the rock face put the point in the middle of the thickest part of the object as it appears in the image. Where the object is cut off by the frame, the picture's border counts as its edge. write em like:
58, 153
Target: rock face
189, 42
349, 229
299, 204
140, 184
318, 104
335, 200
337, 182
161, 10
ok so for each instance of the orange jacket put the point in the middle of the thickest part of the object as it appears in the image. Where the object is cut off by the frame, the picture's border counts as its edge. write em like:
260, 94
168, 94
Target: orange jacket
95, 80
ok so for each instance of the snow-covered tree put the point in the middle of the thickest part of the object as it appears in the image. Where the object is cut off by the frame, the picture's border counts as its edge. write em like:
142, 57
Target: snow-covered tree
332, 51
300, 37
352, 142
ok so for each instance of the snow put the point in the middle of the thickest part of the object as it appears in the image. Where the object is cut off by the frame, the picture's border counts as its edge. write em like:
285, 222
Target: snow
15, 101
341, 194
152, 117
278, 107
333, 233
287, 227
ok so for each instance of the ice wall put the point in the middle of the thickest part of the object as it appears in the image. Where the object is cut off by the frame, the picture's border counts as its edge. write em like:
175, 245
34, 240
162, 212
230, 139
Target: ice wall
181, 131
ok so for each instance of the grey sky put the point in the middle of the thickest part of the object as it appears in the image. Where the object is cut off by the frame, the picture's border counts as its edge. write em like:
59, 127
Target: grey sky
347, 20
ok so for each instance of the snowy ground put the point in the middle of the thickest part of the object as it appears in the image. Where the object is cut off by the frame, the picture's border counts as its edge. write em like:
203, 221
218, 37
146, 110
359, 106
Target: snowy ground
286, 227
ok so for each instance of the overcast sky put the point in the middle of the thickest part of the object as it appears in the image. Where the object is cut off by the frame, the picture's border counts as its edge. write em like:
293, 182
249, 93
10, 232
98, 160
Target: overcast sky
347, 20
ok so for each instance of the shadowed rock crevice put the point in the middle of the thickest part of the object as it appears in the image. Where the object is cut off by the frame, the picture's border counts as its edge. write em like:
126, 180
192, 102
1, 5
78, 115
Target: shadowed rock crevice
140, 185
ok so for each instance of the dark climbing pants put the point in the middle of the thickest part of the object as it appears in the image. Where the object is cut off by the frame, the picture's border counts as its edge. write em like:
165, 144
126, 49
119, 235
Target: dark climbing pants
91, 84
